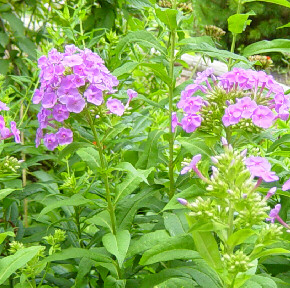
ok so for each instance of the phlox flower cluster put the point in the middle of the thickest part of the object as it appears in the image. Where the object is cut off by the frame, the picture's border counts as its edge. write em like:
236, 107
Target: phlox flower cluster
5, 132
251, 94
69, 82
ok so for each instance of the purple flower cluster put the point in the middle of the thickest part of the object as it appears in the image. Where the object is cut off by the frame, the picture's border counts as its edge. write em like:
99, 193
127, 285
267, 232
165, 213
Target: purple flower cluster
191, 106
5, 131
247, 108
263, 100
69, 81
260, 167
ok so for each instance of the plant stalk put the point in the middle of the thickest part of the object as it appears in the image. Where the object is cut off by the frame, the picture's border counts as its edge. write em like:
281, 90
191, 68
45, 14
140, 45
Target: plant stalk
170, 96
105, 175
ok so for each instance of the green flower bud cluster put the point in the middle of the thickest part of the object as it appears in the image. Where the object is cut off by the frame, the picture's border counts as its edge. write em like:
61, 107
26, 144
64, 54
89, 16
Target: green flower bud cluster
252, 210
55, 240
269, 233
230, 178
202, 208
9, 165
15, 246
238, 262
247, 125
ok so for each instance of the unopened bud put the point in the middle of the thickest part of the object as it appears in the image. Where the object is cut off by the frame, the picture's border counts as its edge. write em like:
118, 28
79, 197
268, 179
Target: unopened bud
182, 201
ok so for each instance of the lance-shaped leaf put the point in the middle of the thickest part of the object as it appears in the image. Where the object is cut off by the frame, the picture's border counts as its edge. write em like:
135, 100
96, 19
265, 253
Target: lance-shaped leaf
9, 264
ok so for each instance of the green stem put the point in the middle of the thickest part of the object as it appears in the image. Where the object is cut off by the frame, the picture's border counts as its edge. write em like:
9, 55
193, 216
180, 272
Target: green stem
171, 88
234, 37
77, 218
231, 226
44, 275
233, 282
105, 176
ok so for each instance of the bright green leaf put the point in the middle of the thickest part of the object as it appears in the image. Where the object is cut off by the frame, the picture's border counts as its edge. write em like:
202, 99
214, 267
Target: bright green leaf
168, 17
9, 264
118, 244
265, 46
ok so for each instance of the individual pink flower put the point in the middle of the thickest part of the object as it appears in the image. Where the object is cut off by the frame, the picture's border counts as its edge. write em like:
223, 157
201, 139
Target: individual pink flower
247, 105
3, 106
50, 141
64, 136
190, 122
286, 185
271, 192
15, 132
233, 114
115, 106
274, 215
263, 117
191, 165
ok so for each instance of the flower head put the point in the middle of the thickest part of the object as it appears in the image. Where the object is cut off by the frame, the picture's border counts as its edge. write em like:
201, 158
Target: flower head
115, 106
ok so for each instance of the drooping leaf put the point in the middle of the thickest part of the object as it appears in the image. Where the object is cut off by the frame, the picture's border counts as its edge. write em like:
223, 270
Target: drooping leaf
175, 223
118, 244
265, 46
75, 200
268, 252
97, 254
90, 156
194, 146
9, 264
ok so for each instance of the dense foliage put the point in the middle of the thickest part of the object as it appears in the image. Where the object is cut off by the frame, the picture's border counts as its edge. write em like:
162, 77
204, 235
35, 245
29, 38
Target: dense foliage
115, 172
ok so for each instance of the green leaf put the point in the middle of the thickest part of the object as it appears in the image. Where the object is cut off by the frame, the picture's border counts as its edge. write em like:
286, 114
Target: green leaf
277, 45
212, 52
118, 244
240, 236
75, 200
4, 39
175, 223
91, 156
258, 281
149, 157
284, 26
195, 275
147, 241
9, 264
168, 17
6, 234
131, 183
140, 4
189, 194
207, 225
144, 38
72, 148
279, 2
178, 247
27, 46
15, 23
194, 146
237, 23
102, 219
4, 66
97, 254
284, 139
128, 206
5, 192
207, 247
112, 282
158, 70
128, 67
269, 252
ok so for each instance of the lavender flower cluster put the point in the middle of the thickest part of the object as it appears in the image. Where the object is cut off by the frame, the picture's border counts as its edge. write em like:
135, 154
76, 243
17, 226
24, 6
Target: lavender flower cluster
258, 97
5, 132
69, 82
